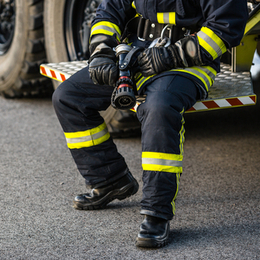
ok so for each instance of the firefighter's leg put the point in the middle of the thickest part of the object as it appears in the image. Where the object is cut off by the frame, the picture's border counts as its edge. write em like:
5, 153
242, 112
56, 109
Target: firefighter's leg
77, 102
162, 152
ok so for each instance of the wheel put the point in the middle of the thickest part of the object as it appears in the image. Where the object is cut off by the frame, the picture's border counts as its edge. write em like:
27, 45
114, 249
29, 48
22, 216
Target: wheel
67, 28
22, 48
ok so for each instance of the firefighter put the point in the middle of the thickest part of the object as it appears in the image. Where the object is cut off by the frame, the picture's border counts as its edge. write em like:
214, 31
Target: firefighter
173, 75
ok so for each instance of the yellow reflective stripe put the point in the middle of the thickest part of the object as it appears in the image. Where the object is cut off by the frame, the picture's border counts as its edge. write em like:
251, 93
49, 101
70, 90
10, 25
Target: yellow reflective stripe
141, 81
205, 73
133, 5
160, 18
182, 132
106, 28
169, 17
177, 190
88, 138
211, 42
162, 162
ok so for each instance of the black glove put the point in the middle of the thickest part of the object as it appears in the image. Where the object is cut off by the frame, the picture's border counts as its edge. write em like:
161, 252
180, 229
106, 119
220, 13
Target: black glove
184, 53
154, 60
103, 71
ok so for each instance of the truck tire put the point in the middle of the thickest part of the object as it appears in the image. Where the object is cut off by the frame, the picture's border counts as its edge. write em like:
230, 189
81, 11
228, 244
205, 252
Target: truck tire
67, 27
22, 49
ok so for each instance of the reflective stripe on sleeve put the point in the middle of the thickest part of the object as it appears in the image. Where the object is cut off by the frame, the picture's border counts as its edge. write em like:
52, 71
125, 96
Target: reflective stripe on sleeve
88, 138
106, 28
162, 162
211, 42
166, 18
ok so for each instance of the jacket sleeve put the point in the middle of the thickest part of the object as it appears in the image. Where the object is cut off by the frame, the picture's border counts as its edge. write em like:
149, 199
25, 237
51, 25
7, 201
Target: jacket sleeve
223, 26
111, 18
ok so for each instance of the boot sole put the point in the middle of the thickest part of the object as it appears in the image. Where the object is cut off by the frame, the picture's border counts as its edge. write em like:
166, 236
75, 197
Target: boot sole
151, 243
119, 194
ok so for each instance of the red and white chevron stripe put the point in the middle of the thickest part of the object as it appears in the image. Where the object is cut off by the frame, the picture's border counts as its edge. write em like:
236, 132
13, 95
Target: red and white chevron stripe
218, 103
54, 74
223, 103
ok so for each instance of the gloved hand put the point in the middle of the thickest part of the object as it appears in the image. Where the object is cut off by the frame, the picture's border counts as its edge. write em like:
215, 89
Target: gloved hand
184, 53
154, 60
103, 71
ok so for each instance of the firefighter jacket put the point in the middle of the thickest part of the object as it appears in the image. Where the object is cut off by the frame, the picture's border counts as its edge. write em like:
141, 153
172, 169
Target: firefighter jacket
219, 25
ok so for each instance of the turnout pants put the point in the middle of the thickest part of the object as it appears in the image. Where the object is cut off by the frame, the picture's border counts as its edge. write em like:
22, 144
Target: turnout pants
77, 103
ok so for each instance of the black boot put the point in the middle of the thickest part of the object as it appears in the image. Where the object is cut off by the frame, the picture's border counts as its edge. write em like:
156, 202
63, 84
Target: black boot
154, 232
101, 195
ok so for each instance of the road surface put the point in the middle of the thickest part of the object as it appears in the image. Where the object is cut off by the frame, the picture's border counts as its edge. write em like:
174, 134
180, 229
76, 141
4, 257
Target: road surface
217, 210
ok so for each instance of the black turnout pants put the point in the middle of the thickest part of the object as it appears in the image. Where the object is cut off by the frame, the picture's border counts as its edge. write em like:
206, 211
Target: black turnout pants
77, 103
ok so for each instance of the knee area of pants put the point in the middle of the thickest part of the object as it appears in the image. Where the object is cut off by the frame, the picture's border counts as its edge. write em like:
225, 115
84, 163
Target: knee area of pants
158, 110
60, 94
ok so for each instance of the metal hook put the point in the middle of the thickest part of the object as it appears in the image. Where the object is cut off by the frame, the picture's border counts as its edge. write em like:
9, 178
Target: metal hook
169, 27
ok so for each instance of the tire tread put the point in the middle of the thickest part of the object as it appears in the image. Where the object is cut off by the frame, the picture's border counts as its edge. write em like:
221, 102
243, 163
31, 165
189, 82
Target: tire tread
30, 81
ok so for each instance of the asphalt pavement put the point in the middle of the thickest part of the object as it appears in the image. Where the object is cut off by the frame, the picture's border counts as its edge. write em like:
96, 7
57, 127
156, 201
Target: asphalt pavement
217, 210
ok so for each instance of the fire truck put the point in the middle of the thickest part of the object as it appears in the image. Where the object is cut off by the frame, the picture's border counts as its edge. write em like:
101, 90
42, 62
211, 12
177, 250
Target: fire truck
43, 42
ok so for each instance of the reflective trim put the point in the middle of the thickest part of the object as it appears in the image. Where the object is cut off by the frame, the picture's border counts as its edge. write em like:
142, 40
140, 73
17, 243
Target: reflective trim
205, 73
106, 28
88, 138
182, 132
177, 190
166, 18
211, 42
133, 5
141, 81
162, 162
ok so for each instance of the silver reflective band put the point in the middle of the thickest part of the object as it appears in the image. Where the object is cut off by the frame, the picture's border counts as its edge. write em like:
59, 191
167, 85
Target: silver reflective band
208, 72
201, 75
105, 28
211, 42
87, 138
162, 162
